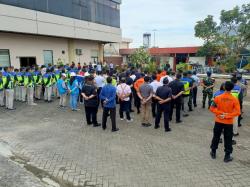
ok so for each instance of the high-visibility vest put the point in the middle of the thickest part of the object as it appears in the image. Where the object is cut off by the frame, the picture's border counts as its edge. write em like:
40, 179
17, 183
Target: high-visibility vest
47, 81
236, 93
10, 82
20, 80
4, 81
1, 84
186, 88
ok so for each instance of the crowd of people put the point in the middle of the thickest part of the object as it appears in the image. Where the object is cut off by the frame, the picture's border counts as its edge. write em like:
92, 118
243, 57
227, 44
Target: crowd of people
154, 94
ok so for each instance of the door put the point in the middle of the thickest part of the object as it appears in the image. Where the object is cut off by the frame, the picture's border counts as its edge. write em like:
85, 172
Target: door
48, 57
27, 61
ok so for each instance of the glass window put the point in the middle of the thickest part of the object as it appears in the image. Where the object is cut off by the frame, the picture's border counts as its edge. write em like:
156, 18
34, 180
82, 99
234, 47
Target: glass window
48, 57
4, 58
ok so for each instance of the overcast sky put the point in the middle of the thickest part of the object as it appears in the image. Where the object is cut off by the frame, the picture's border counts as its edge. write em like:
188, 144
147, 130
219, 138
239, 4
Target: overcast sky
174, 20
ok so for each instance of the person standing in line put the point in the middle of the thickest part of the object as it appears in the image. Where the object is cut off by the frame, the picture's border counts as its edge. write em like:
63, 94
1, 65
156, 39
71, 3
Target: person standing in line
16, 87
62, 90
225, 107
1, 90
155, 84
37, 76
9, 89
47, 82
163, 95
177, 88
166, 76
29, 84
108, 95
186, 82
89, 93
208, 84
145, 94
100, 82
137, 84
191, 85
195, 88
123, 93
20, 79
74, 91
129, 82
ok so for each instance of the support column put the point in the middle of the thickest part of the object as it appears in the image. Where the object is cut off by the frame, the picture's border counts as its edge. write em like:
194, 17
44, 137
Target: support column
71, 51
100, 52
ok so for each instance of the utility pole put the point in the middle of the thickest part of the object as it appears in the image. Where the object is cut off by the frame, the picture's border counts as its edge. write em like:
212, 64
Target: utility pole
154, 30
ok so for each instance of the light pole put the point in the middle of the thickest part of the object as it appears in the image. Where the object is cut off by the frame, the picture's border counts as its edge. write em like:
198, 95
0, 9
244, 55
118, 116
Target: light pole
154, 30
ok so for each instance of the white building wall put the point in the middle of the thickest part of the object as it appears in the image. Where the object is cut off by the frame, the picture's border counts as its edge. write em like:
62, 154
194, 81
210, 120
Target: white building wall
22, 45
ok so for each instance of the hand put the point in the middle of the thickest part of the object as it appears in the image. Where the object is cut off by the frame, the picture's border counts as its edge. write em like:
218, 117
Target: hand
174, 97
161, 102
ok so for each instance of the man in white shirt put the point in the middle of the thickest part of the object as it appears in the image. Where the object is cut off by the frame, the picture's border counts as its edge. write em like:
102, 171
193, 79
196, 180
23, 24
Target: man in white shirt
100, 82
155, 84
195, 89
170, 79
123, 93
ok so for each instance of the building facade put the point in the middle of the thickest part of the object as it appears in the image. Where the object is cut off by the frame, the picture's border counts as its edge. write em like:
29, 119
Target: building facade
172, 56
50, 31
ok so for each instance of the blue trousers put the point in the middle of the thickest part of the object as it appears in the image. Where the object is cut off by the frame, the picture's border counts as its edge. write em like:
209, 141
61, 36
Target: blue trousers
73, 101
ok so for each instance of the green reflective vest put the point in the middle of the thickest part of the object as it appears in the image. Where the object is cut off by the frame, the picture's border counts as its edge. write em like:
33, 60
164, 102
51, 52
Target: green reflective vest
1, 84
28, 82
186, 88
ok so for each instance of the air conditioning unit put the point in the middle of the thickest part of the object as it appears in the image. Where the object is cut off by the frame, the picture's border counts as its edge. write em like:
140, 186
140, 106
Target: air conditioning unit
78, 52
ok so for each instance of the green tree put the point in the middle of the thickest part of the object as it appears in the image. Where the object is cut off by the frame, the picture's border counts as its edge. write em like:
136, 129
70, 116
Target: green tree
140, 57
231, 36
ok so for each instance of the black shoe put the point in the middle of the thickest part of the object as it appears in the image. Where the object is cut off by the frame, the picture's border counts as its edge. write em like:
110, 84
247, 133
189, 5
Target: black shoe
168, 130
190, 110
115, 130
138, 112
228, 158
97, 125
213, 154
195, 106
157, 126
148, 125
203, 106
236, 134
144, 124
50, 101
89, 123
170, 119
233, 142
132, 111
239, 125
179, 121
11, 108
185, 115
104, 128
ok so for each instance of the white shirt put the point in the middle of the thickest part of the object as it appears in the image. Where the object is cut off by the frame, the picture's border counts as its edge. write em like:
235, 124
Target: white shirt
99, 67
100, 81
196, 79
111, 66
155, 84
123, 89
170, 79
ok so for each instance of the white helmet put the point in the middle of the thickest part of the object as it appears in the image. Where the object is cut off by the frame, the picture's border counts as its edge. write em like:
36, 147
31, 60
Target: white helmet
72, 74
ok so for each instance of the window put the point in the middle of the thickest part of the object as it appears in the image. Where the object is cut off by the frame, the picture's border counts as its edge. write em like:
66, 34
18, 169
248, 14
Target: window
4, 58
48, 57
94, 56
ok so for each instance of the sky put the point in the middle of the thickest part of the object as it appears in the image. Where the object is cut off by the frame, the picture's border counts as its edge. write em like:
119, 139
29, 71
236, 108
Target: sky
174, 20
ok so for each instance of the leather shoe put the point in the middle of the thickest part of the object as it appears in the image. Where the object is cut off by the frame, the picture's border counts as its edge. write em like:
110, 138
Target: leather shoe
228, 158
213, 154
114, 130
168, 130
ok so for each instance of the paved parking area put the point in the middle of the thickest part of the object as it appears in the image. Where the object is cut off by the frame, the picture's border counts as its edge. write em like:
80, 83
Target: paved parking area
71, 153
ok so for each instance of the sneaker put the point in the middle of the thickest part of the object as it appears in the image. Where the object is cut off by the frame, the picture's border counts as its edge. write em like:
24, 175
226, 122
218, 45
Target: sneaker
185, 115
213, 154
228, 158
115, 130
129, 121
97, 125
237, 134
121, 119
33, 104
148, 125
179, 121
233, 142
168, 130
157, 127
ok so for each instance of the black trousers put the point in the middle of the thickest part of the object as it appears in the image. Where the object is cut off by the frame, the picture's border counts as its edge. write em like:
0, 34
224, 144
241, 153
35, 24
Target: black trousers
105, 115
130, 102
137, 102
228, 137
162, 109
154, 107
195, 90
177, 104
91, 113
124, 107
190, 100
98, 93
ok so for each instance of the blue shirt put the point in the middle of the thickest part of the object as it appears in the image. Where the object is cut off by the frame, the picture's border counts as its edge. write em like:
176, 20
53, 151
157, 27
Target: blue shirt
74, 88
219, 92
109, 93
